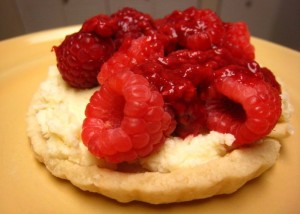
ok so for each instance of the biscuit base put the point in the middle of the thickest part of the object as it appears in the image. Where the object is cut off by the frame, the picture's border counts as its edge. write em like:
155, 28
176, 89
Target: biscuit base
220, 176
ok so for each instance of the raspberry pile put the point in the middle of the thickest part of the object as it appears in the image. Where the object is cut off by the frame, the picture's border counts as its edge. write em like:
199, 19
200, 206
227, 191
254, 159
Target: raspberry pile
184, 74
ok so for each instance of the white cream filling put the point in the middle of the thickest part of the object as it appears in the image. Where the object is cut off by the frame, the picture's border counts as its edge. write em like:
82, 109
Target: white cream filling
60, 112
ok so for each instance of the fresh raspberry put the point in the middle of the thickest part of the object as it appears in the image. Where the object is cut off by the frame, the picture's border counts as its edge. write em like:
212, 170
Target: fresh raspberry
200, 29
131, 24
264, 73
100, 24
244, 105
193, 28
131, 53
80, 57
237, 40
125, 119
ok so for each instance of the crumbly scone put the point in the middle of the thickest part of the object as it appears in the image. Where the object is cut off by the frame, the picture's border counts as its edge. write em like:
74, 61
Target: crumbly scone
66, 157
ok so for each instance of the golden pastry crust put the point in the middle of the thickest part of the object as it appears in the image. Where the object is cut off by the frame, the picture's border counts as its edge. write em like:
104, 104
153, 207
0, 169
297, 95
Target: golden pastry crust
223, 175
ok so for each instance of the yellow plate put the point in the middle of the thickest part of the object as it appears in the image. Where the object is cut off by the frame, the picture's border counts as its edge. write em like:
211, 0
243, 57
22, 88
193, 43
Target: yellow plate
27, 187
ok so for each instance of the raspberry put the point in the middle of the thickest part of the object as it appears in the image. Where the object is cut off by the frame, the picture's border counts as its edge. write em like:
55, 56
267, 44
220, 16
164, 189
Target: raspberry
100, 25
193, 29
131, 24
203, 30
125, 24
80, 57
237, 40
125, 119
264, 73
131, 53
199, 29
244, 105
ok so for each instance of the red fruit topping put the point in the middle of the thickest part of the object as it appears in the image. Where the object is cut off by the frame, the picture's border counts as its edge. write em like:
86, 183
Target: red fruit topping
183, 78
132, 53
187, 73
80, 57
170, 85
194, 66
125, 119
237, 40
166, 27
131, 24
243, 105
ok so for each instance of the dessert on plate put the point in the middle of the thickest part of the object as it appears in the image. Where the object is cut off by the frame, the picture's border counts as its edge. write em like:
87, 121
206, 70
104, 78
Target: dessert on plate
159, 111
